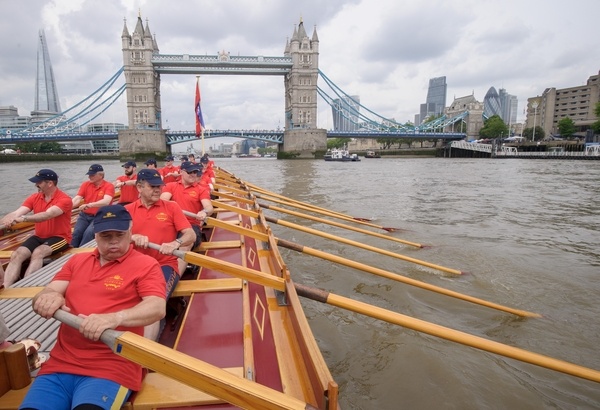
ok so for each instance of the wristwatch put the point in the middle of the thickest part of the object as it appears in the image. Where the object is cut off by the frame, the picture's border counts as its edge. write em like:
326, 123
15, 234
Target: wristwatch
179, 241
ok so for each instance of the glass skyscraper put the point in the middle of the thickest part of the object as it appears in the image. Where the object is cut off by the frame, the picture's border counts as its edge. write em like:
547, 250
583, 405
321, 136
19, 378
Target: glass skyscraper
345, 112
436, 98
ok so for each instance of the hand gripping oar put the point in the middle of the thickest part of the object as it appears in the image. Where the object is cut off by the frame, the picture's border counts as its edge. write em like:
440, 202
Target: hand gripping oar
389, 316
191, 371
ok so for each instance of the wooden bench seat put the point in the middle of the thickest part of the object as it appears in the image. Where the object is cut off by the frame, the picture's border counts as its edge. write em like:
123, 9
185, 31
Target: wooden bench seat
159, 391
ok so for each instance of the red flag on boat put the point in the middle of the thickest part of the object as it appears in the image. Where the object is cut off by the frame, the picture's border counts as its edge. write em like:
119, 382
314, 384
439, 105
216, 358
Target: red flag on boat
198, 109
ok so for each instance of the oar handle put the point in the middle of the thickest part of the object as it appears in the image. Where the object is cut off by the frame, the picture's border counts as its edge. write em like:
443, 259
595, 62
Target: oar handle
109, 336
177, 253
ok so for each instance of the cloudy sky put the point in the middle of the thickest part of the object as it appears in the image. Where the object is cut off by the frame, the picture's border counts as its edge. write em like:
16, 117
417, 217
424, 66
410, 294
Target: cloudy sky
385, 51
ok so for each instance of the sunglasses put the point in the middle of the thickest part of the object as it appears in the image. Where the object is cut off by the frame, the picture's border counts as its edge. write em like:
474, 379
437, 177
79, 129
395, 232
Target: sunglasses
192, 172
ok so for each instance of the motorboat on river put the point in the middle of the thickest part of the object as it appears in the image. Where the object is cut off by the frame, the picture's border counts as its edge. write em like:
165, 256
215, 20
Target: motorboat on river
340, 154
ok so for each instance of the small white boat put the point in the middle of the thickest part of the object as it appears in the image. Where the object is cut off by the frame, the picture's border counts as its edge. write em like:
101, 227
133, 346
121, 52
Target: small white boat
339, 154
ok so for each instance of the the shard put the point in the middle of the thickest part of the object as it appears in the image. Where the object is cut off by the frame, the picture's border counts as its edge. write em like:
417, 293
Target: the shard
46, 94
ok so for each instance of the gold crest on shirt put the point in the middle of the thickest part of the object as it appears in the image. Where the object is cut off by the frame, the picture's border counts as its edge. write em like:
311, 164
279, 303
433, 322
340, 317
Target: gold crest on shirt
161, 216
114, 282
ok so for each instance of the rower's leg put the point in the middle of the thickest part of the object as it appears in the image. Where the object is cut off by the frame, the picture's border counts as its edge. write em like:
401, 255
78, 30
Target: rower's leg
13, 270
37, 258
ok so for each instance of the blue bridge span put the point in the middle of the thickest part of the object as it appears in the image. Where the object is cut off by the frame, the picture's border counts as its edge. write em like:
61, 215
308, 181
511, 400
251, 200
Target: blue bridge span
176, 137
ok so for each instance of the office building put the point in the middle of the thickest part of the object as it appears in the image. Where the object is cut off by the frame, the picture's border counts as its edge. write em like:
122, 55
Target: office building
436, 100
346, 112
577, 103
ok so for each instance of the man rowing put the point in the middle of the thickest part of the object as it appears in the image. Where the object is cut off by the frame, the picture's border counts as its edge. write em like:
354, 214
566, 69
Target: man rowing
170, 172
192, 197
95, 193
52, 218
161, 222
126, 183
113, 287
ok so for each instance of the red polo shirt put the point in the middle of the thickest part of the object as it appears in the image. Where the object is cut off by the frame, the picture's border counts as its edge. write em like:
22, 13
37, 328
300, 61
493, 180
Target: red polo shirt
119, 284
92, 193
189, 197
166, 170
160, 223
129, 193
59, 226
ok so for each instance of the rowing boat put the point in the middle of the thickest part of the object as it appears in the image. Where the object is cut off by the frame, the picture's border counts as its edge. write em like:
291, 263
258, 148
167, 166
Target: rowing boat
236, 334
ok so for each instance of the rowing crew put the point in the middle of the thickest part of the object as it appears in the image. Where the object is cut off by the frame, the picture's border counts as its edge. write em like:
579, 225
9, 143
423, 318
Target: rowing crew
52, 214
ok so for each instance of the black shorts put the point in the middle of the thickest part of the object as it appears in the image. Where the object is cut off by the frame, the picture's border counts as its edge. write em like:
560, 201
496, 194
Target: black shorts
57, 243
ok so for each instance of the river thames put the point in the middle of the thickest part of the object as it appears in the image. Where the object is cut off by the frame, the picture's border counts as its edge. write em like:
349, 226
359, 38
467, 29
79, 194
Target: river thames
526, 232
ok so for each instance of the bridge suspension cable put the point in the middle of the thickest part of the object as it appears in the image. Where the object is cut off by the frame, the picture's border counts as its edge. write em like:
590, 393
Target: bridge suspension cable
381, 123
63, 123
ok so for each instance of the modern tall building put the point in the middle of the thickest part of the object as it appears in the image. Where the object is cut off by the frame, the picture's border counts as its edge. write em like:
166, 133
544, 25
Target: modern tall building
491, 104
509, 104
46, 102
436, 99
577, 103
345, 112
501, 104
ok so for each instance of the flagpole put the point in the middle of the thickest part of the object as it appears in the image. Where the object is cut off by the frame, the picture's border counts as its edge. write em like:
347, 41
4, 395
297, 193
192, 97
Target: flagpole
202, 127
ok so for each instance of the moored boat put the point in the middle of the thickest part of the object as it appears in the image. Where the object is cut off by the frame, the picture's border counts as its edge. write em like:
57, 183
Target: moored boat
340, 154
372, 154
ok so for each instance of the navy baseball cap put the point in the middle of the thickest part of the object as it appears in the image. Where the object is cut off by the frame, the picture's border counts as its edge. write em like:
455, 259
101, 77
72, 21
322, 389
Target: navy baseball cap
112, 218
44, 175
94, 169
129, 164
188, 166
204, 160
169, 158
151, 176
184, 158
150, 161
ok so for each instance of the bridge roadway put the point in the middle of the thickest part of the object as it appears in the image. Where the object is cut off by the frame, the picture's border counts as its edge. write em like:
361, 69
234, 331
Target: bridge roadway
176, 137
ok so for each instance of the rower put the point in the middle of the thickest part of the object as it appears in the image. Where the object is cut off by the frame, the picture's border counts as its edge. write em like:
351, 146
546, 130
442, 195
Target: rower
159, 221
192, 197
95, 193
52, 218
126, 183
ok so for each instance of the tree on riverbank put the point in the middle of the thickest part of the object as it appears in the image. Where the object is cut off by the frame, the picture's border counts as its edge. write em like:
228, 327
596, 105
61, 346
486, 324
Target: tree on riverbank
566, 127
596, 125
494, 127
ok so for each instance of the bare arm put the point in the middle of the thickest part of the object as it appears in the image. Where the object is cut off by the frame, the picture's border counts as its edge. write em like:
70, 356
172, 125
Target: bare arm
76, 201
50, 213
12, 217
50, 299
151, 309
98, 204
166, 196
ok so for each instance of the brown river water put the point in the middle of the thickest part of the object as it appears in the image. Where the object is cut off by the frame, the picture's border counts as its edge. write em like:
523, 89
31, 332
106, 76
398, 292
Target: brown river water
526, 232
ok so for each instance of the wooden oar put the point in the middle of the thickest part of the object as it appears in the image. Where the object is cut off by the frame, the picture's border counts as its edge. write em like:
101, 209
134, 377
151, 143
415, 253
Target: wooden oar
323, 211
191, 371
449, 334
309, 207
232, 269
339, 225
393, 317
361, 245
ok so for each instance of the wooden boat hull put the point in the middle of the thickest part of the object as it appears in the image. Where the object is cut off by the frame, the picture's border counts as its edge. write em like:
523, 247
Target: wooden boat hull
251, 330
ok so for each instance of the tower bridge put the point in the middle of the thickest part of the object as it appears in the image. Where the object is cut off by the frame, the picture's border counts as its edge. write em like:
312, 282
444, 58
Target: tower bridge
144, 65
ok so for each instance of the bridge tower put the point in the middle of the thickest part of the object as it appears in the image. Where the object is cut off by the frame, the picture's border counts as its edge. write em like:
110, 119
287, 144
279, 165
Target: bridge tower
301, 136
144, 133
